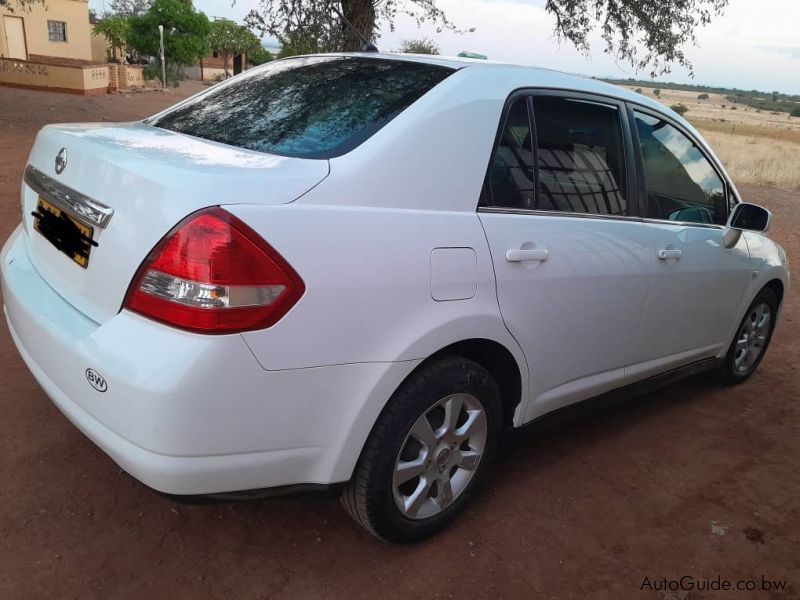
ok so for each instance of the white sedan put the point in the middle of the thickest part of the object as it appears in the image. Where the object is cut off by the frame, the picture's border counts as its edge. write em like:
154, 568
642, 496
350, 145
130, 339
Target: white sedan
362, 270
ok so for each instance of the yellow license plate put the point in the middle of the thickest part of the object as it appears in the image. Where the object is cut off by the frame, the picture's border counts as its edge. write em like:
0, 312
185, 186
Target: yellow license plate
65, 232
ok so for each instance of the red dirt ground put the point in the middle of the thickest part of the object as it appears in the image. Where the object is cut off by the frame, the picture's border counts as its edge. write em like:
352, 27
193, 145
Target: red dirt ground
696, 479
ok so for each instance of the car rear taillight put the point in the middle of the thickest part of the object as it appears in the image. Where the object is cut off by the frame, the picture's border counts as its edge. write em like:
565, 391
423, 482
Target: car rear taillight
213, 274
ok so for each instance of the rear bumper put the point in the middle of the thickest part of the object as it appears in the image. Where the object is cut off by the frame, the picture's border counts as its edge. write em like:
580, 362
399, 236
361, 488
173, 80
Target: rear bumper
185, 413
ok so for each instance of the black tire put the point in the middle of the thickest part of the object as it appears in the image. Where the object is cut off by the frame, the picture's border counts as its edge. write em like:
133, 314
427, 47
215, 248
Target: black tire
369, 497
728, 371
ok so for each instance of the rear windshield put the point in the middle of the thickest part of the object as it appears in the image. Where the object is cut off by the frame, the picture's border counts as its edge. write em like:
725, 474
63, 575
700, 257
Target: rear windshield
313, 107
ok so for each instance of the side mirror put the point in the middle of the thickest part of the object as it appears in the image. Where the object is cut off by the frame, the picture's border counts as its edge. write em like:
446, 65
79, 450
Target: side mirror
746, 217
750, 217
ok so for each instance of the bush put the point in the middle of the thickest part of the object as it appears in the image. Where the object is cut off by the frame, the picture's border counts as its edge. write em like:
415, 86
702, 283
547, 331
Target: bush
638, 90
681, 108
657, 93
420, 46
175, 72
703, 97
795, 112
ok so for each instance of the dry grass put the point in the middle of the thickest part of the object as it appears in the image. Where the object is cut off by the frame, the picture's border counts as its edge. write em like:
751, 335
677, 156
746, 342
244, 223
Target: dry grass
757, 159
748, 129
719, 109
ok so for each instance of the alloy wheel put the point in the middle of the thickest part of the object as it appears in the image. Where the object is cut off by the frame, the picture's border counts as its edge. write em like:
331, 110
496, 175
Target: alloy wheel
440, 456
752, 337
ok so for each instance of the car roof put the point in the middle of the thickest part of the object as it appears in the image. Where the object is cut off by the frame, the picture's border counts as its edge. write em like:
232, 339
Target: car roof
533, 76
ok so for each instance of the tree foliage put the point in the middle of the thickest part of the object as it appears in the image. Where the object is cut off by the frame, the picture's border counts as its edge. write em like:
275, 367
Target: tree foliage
420, 46
259, 56
185, 32
644, 33
229, 39
315, 26
116, 29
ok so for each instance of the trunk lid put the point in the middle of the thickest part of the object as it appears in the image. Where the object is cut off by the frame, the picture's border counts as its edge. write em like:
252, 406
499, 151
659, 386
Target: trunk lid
151, 179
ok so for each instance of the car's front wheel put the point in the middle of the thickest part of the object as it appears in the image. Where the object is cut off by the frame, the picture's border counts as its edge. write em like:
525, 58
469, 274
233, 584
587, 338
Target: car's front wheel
427, 451
752, 338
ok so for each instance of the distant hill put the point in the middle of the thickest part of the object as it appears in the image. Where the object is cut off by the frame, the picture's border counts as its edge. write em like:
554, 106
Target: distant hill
772, 101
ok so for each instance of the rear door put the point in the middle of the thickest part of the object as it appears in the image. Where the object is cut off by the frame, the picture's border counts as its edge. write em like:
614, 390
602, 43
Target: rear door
697, 283
566, 242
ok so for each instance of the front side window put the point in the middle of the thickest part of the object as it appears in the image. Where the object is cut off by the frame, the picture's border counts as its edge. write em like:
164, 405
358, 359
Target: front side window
57, 31
312, 107
682, 185
580, 166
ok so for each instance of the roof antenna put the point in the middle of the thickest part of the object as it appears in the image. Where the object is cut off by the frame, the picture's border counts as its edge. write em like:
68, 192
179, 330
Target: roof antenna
368, 46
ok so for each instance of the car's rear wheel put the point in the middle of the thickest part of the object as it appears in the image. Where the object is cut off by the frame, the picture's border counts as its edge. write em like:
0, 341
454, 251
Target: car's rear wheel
427, 451
752, 338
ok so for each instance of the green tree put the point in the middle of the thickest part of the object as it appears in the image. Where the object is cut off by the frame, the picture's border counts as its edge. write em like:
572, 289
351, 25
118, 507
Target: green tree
116, 29
644, 33
795, 112
229, 39
420, 46
657, 93
185, 34
259, 55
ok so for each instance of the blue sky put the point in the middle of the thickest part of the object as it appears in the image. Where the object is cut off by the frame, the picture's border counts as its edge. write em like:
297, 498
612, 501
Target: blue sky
755, 44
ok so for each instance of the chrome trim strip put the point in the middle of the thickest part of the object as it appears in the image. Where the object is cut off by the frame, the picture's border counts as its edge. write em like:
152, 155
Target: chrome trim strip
684, 223
556, 213
80, 206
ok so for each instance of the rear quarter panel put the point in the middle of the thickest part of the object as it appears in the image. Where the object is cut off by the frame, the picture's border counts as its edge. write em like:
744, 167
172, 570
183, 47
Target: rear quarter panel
368, 285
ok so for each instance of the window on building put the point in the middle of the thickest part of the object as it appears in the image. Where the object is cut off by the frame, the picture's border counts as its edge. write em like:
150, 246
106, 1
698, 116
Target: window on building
57, 31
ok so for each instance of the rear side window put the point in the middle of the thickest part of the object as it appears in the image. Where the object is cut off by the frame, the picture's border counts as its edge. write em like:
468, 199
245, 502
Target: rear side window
510, 180
581, 165
682, 185
312, 107
574, 162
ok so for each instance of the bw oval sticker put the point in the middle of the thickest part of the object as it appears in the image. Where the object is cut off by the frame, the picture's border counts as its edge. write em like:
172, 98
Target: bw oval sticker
96, 380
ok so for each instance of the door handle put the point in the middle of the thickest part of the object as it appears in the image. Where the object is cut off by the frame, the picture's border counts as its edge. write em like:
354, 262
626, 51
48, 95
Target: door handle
540, 255
667, 254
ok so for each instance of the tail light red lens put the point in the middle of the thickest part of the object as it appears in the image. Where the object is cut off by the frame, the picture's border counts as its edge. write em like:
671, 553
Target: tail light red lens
214, 274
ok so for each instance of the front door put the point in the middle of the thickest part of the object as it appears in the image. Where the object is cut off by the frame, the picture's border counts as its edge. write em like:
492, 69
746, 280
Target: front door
697, 283
568, 252
15, 37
